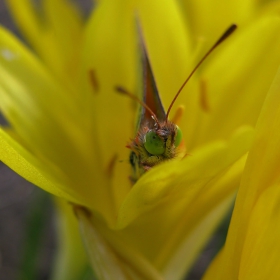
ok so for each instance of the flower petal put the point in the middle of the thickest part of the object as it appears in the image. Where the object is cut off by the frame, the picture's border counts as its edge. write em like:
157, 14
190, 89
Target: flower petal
112, 29
168, 44
204, 22
22, 162
236, 98
180, 261
110, 257
47, 30
261, 249
49, 124
251, 251
32, 102
27, 19
70, 260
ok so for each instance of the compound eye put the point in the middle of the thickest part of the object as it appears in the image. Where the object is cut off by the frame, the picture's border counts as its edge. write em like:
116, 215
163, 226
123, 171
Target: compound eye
154, 144
178, 137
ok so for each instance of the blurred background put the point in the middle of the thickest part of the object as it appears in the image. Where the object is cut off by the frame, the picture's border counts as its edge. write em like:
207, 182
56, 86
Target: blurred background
22, 205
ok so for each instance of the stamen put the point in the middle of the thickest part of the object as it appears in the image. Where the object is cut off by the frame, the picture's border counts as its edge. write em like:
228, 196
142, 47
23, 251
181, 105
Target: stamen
93, 80
186, 155
111, 165
204, 98
79, 208
178, 114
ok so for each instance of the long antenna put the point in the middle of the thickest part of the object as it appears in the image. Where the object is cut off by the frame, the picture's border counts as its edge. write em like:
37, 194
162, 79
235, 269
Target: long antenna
124, 91
226, 34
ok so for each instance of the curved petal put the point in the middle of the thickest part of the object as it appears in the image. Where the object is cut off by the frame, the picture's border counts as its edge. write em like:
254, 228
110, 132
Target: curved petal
71, 259
261, 250
188, 250
251, 250
22, 162
47, 30
27, 18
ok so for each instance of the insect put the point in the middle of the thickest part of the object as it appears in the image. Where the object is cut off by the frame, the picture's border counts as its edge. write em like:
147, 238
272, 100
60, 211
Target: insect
157, 139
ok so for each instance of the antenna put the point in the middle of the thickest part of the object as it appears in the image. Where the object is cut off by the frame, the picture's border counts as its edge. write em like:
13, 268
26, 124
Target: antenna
124, 91
226, 34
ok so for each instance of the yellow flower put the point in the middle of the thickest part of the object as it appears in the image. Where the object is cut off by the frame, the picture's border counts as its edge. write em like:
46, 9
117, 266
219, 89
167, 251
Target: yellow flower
68, 136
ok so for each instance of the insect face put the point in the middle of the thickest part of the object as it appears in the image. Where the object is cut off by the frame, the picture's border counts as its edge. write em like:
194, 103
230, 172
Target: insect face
153, 145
